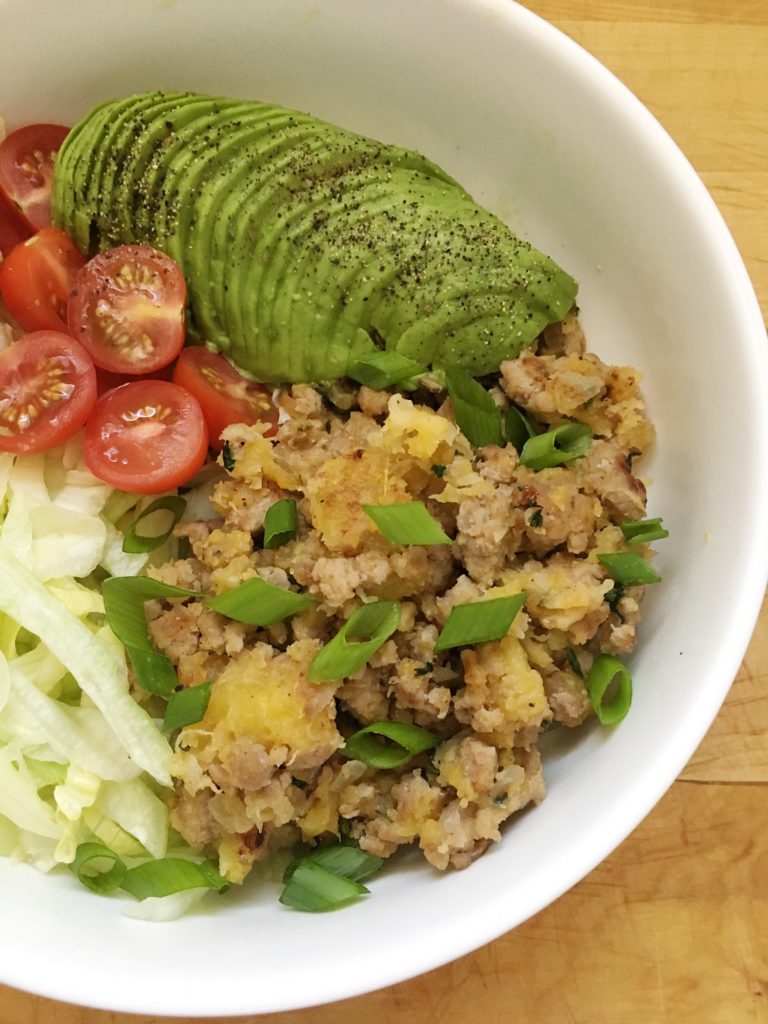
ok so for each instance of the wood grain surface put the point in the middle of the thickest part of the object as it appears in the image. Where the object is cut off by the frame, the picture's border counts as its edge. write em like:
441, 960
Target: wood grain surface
673, 927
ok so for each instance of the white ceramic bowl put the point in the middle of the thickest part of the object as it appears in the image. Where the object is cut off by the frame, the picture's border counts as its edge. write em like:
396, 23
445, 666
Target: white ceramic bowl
546, 137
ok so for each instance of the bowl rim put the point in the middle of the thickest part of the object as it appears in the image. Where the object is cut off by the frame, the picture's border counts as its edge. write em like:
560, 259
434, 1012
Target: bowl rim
480, 927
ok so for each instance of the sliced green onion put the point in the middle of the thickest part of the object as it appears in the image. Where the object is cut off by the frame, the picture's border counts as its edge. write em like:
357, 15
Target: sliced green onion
614, 595
537, 516
381, 370
557, 447
479, 622
408, 522
227, 458
98, 868
314, 888
358, 640
643, 531
405, 741
124, 598
169, 875
477, 415
605, 670
629, 569
280, 523
259, 603
348, 861
154, 671
185, 707
183, 548
140, 543
155, 878
518, 427
574, 662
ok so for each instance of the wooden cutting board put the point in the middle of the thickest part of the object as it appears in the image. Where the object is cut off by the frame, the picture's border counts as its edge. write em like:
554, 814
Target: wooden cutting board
673, 927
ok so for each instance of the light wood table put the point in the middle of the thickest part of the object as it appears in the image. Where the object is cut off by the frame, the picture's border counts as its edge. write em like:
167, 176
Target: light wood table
673, 927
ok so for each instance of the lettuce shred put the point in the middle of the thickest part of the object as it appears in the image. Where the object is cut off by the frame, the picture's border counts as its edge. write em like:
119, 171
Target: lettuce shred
80, 759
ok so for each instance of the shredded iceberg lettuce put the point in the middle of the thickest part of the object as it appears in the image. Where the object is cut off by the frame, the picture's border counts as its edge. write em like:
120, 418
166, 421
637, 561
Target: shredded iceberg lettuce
100, 675
79, 758
20, 802
165, 908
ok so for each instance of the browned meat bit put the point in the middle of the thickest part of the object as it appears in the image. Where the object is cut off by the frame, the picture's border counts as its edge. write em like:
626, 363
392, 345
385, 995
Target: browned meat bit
247, 766
303, 403
336, 580
619, 633
364, 695
605, 471
372, 403
490, 531
414, 687
242, 506
567, 697
186, 573
557, 388
499, 465
458, 836
391, 575
553, 387
191, 817
335, 793
404, 811
557, 512
298, 557
468, 765
451, 828
313, 433
194, 638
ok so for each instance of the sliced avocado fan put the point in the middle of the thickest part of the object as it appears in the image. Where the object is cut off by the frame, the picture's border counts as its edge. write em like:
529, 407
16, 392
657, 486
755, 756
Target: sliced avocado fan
304, 246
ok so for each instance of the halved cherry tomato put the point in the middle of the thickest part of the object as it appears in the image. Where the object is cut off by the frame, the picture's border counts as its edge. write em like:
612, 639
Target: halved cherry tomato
148, 436
26, 170
225, 395
127, 308
36, 279
47, 390
12, 230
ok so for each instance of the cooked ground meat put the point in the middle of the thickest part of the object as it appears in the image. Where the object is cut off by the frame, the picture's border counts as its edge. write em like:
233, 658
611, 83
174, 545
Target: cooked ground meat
265, 765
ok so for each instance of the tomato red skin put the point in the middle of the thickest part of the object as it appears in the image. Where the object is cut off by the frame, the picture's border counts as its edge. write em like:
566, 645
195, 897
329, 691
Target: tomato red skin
57, 423
29, 193
231, 404
13, 231
154, 310
36, 279
145, 454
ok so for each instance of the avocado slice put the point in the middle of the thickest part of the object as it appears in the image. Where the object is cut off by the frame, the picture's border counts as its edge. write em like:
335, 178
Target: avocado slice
304, 245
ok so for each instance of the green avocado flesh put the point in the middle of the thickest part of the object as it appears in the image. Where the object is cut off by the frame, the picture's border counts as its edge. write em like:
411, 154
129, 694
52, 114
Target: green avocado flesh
304, 246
